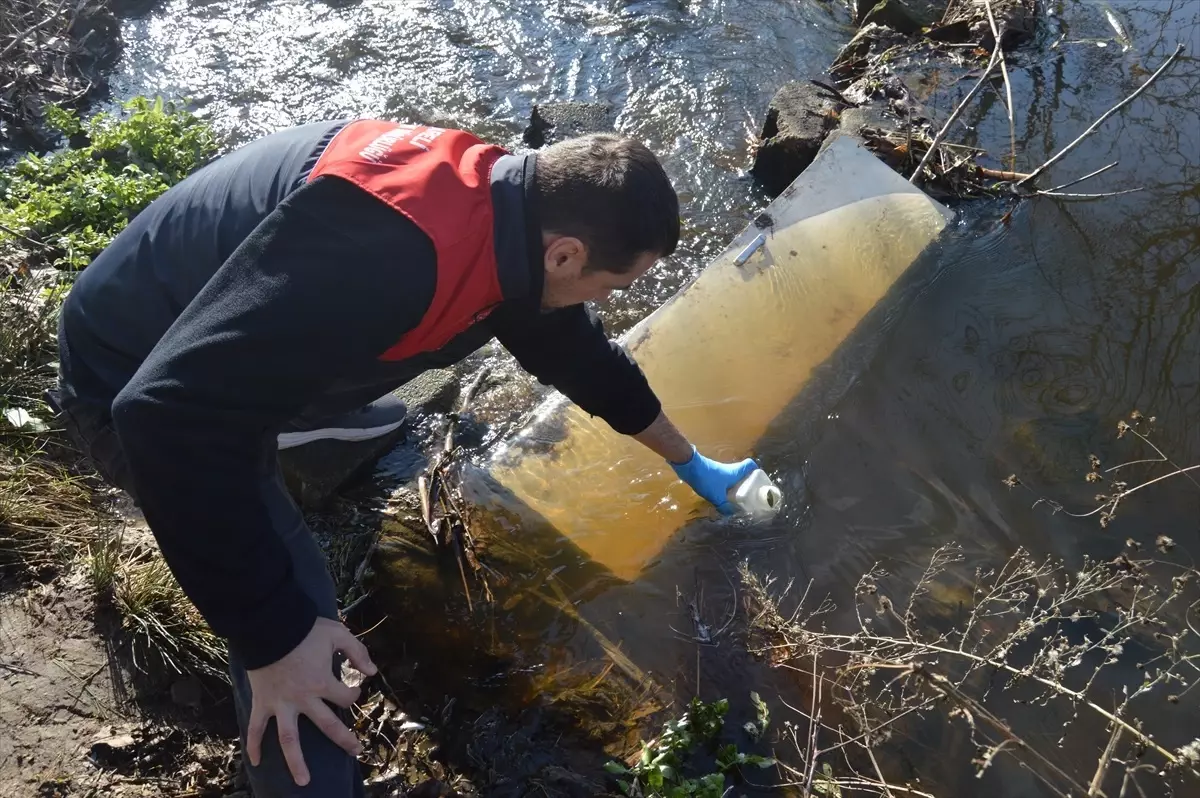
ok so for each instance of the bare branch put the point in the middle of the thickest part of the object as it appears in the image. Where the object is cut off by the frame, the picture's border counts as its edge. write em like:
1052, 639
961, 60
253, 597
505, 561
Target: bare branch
1103, 764
998, 34
996, 53
1089, 196
1103, 117
1088, 176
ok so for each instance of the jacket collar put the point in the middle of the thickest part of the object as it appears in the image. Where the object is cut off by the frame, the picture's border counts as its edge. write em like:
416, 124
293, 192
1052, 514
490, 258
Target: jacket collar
517, 229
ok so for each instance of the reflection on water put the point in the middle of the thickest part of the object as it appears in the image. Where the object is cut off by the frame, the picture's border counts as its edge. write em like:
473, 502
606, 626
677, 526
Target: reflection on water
1023, 345
688, 78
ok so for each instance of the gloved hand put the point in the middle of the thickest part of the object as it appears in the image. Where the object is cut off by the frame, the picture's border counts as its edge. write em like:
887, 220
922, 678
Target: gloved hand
712, 480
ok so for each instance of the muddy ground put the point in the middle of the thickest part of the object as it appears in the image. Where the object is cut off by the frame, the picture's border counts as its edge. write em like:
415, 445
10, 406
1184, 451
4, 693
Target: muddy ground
82, 718
74, 723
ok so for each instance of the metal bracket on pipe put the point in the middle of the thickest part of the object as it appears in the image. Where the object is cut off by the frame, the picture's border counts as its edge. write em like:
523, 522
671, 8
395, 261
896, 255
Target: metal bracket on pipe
750, 249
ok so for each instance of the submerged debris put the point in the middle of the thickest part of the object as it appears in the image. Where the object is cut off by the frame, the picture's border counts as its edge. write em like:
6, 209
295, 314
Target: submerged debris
444, 511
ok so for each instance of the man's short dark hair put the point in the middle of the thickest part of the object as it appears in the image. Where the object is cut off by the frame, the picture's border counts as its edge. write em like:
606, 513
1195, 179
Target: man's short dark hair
610, 192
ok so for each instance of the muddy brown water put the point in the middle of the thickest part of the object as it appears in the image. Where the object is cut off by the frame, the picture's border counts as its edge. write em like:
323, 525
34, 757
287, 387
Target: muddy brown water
1014, 346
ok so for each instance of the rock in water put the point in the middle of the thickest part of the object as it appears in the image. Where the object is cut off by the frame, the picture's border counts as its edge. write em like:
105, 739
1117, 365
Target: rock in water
434, 391
967, 19
554, 122
800, 116
316, 471
904, 16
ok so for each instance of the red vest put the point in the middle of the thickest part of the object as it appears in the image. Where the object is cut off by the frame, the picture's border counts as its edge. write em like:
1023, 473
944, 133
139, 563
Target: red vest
441, 180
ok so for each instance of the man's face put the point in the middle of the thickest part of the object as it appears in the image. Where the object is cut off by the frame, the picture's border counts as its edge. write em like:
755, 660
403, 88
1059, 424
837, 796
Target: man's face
568, 282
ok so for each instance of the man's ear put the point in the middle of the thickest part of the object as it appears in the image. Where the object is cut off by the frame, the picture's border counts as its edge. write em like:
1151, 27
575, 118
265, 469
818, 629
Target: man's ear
564, 256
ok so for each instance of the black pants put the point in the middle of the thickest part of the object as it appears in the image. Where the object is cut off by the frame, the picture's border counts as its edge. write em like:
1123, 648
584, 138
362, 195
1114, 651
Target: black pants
334, 773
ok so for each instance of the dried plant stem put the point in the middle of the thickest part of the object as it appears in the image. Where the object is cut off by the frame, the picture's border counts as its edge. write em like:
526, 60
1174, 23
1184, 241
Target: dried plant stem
996, 53
861, 783
1105, 761
1004, 666
814, 725
1088, 176
462, 571
1159, 479
18, 234
887, 791
946, 687
1103, 117
1090, 196
1000, 174
997, 34
1161, 454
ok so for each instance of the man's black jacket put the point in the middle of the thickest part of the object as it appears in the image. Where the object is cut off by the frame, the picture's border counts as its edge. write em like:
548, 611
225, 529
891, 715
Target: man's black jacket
245, 297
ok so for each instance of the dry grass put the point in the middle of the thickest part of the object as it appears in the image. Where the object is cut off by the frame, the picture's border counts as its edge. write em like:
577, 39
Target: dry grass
1106, 647
50, 521
46, 514
29, 304
162, 623
162, 627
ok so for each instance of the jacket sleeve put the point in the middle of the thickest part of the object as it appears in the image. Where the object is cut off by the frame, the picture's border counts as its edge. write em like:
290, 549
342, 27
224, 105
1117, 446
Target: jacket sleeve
568, 349
313, 291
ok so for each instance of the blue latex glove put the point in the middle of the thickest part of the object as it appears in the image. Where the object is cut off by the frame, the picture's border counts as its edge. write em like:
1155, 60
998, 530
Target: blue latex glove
712, 480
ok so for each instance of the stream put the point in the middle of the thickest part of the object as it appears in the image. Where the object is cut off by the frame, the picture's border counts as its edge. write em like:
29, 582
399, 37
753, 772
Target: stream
1017, 346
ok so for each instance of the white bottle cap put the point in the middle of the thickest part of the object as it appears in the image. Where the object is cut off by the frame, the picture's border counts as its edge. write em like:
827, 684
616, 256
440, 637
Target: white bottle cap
757, 495
770, 496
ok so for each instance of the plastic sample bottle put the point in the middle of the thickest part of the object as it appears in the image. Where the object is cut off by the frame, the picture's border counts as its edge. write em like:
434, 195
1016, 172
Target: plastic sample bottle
756, 495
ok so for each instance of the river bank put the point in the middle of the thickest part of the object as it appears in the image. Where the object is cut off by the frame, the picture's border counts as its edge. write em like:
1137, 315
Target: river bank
473, 740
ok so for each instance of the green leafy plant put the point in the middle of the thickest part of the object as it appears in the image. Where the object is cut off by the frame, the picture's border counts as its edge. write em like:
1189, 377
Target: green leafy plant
62, 209
756, 728
658, 773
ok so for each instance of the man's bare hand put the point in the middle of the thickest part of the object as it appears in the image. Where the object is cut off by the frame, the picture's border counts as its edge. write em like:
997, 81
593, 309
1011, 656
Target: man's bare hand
296, 685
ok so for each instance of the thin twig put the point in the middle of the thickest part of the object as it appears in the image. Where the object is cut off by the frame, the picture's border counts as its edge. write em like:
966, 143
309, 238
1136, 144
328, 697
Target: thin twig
878, 771
426, 508
1088, 176
1092, 128
1105, 761
860, 783
1004, 666
462, 571
18, 234
814, 724
941, 683
997, 34
1161, 454
353, 605
1090, 196
999, 174
17, 669
957, 112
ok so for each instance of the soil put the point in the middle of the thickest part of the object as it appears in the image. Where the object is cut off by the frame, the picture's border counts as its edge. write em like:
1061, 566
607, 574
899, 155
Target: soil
73, 726
81, 719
